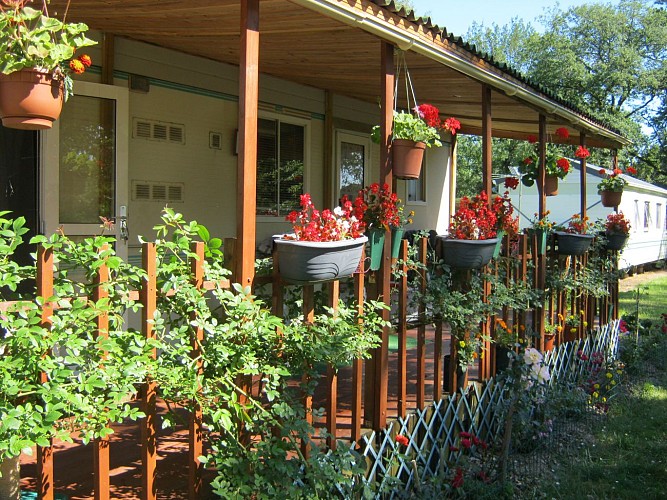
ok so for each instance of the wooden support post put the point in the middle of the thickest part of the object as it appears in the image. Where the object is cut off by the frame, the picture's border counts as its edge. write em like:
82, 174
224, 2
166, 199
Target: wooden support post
421, 329
381, 354
246, 197
332, 376
357, 364
101, 445
45, 488
308, 317
541, 258
582, 177
148, 296
487, 141
437, 362
195, 434
403, 332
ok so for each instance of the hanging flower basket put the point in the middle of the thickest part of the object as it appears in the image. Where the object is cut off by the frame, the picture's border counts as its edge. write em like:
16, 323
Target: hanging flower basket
467, 254
376, 244
550, 185
573, 244
304, 262
616, 241
396, 238
407, 158
611, 199
540, 236
549, 339
30, 99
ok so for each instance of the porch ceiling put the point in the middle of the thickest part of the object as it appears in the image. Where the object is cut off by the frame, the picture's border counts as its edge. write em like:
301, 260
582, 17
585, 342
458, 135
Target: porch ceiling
304, 46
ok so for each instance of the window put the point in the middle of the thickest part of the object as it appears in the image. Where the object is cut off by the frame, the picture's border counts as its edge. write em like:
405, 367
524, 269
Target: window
353, 152
647, 215
416, 188
658, 215
636, 221
280, 166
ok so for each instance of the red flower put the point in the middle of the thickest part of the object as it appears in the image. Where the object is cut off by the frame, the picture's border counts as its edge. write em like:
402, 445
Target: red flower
402, 440
451, 124
429, 114
77, 66
466, 443
511, 182
602, 171
631, 170
457, 482
582, 152
532, 139
528, 160
562, 132
85, 60
618, 171
563, 164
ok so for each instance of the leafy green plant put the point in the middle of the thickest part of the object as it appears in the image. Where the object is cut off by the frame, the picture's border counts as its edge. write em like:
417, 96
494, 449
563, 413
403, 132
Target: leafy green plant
32, 39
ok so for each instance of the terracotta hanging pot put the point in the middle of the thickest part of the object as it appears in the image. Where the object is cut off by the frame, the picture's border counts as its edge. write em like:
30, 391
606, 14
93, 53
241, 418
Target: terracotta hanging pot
407, 158
549, 339
611, 198
30, 99
551, 185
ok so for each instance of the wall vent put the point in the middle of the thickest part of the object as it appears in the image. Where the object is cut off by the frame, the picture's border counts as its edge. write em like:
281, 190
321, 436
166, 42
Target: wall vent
159, 131
215, 140
157, 191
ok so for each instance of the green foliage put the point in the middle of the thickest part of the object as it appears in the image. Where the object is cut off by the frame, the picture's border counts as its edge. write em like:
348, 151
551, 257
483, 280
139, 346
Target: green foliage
410, 127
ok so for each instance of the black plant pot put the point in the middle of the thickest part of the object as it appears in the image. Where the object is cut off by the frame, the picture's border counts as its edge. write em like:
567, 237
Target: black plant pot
573, 244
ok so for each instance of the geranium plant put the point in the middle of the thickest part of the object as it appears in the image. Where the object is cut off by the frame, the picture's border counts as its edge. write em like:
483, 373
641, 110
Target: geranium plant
578, 225
422, 125
612, 180
617, 223
342, 223
505, 219
555, 165
31, 39
474, 220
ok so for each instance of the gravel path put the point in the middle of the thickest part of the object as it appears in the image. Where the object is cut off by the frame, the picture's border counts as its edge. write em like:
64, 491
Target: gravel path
631, 282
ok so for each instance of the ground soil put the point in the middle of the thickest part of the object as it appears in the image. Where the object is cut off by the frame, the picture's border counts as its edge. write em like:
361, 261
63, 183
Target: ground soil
631, 282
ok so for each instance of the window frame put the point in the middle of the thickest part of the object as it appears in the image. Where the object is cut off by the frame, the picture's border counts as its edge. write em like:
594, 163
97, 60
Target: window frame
351, 137
292, 120
423, 177
647, 216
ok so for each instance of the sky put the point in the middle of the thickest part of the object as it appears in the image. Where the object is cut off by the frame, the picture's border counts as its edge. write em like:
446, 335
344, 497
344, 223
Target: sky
458, 16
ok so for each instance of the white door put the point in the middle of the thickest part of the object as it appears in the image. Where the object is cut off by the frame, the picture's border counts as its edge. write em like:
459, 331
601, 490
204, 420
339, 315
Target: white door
84, 167
352, 160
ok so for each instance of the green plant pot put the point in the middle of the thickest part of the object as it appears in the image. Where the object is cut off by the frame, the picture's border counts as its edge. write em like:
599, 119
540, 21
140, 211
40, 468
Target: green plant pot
541, 239
499, 246
573, 244
396, 238
303, 262
466, 254
376, 246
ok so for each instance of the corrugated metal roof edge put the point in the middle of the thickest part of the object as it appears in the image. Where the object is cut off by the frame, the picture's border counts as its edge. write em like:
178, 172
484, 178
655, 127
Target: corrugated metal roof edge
428, 25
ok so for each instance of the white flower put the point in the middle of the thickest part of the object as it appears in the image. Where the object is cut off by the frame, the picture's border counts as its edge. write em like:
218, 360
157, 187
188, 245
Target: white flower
532, 356
543, 375
338, 211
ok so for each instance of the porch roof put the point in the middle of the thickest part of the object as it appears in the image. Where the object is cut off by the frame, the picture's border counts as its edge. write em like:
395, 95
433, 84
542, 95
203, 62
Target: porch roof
335, 45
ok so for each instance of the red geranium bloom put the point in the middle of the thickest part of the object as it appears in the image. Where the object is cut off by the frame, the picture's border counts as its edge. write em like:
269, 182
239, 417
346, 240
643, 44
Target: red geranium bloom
402, 440
429, 114
511, 182
451, 124
562, 132
527, 160
532, 139
582, 152
631, 170
457, 482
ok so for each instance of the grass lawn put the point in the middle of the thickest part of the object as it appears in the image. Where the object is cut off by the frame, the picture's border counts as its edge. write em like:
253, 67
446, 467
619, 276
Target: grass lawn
627, 454
652, 299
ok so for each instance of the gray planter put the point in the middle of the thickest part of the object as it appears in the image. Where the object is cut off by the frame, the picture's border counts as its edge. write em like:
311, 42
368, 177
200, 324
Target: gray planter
304, 262
573, 244
616, 241
466, 254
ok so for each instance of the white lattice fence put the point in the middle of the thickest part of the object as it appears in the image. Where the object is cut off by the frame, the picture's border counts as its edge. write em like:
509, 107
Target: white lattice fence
432, 431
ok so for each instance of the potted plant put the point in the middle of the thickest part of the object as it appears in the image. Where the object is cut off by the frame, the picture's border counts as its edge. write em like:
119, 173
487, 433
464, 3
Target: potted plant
556, 165
539, 229
324, 245
36, 64
382, 211
507, 340
411, 134
616, 231
576, 237
550, 331
506, 222
472, 239
571, 325
612, 185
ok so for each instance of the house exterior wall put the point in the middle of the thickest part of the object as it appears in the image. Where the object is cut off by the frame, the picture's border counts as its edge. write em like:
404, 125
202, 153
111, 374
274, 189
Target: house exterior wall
645, 245
201, 96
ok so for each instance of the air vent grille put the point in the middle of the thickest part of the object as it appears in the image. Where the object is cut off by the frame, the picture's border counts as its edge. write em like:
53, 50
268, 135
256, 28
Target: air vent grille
157, 191
215, 140
159, 131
